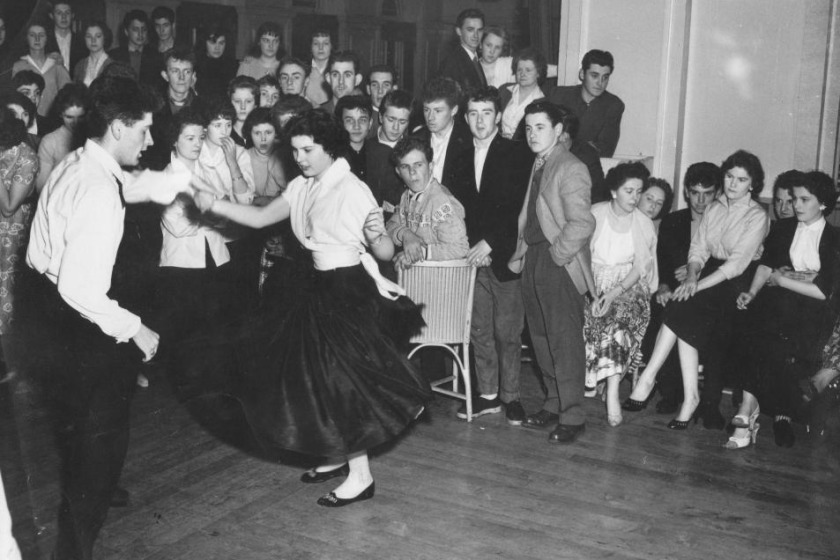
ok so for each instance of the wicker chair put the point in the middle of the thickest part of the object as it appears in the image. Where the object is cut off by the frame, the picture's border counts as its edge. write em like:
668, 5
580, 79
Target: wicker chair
445, 288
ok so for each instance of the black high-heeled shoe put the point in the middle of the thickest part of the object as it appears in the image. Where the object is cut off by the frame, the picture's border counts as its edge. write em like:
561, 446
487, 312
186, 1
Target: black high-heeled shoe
683, 424
632, 405
331, 500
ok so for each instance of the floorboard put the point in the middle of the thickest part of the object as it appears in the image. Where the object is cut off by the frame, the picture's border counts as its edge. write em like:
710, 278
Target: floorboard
446, 490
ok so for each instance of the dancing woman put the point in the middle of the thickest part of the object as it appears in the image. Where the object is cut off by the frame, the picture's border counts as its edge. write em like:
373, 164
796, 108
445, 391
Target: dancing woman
701, 312
330, 380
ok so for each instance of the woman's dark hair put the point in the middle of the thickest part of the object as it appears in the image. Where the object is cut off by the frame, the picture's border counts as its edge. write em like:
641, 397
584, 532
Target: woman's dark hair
749, 163
787, 180
184, 118
71, 95
324, 130
107, 34
623, 172
534, 56
669, 195
212, 32
823, 187
219, 108
260, 115
17, 98
267, 28
12, 129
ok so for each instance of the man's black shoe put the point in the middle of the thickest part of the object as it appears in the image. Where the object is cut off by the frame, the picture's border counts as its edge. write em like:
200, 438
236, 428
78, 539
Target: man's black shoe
566, 434
540, 420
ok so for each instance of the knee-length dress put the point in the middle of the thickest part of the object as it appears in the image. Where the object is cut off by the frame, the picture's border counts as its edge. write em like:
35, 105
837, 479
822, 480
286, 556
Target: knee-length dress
17, 165
323, 370
786, 332
613, 340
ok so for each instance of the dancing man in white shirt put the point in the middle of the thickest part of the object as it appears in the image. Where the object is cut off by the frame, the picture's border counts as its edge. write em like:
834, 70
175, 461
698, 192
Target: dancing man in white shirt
85, 340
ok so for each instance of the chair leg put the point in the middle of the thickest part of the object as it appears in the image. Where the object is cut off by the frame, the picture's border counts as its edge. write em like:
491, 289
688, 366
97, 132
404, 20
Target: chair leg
467, 381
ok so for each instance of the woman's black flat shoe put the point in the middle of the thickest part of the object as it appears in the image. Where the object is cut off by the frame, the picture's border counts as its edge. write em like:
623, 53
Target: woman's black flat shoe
331, 500
314, 477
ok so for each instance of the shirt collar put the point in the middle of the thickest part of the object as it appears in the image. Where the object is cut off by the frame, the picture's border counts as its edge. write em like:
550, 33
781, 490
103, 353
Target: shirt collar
470, 54
816, 226
106, 160
383, 140
334, 174
489, 141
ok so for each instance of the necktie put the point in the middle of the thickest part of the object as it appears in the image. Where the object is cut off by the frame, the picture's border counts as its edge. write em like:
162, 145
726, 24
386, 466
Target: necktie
120, 188
481, 77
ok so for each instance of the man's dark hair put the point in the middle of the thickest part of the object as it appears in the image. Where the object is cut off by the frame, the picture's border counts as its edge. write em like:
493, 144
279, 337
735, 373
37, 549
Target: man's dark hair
162, 12
702, 173
28, 78
407, 144
398, 98
383, 69
345, 56
183, 54
488, 94
138, 15
749, 163
557, 114
289, 59
260, 115
119, 99
442, 88
350, 102
601, 58
470, 13
268, 80
789, 179
244, 82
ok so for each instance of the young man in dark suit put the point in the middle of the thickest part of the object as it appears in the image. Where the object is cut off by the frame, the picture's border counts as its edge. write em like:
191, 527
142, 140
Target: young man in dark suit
598, 111
62, 40
135, 51
448, 135
394, 116
462, 64
701, 186
492, 200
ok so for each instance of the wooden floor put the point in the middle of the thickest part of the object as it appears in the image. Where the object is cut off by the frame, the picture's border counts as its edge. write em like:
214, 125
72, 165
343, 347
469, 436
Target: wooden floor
448, 490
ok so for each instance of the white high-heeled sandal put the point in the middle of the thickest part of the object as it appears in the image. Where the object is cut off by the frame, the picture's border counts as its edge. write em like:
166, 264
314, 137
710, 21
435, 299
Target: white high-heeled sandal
751, 425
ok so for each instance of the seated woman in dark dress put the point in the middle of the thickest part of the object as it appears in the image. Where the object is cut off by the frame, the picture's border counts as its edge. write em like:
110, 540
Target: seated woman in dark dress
790, 320
700, 314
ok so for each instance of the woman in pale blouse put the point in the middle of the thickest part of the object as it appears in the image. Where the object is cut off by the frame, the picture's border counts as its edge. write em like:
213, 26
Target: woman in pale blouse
70, 108
791, 312
624, 268
530, 68
98, 38
700, 314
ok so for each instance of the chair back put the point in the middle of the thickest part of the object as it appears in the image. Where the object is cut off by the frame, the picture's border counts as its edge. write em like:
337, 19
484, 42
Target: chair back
445, 289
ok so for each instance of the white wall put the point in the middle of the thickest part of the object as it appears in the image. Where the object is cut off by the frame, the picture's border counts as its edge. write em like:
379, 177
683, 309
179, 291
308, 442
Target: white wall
702, 78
